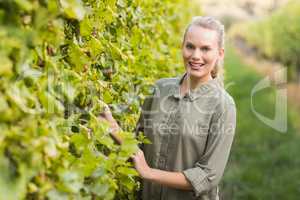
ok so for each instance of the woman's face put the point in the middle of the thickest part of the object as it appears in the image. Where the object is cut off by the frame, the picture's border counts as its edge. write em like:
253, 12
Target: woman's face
201, 52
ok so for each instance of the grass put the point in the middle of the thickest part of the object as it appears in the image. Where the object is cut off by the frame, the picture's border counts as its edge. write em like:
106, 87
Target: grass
264, 162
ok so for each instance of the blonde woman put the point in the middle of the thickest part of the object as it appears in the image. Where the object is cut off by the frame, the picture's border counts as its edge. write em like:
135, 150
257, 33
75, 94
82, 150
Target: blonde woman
190, 121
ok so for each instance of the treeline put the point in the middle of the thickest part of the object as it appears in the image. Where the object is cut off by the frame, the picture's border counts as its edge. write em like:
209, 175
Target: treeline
276, 37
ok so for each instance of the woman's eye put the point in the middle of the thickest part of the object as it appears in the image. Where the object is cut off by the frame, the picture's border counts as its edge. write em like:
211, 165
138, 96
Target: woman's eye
189, 46
205, 49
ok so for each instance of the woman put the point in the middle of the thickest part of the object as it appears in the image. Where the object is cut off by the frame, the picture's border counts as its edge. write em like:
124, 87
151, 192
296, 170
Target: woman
190, 121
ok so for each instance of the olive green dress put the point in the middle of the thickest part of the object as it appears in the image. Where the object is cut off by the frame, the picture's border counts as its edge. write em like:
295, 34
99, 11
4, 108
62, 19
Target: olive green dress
191, 134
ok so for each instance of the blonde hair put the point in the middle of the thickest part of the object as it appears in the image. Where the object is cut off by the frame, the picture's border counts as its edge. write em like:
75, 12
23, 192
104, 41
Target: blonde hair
212, 24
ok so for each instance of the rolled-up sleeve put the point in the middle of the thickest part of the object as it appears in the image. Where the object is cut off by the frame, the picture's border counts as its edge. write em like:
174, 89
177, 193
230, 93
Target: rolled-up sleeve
207, 172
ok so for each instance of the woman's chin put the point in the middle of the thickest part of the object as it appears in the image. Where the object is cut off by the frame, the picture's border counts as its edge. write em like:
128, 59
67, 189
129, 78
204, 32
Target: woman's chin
196, 73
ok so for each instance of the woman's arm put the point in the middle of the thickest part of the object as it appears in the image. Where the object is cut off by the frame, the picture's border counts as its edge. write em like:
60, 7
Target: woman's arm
167, 178
114, 127
113, 124
170, 179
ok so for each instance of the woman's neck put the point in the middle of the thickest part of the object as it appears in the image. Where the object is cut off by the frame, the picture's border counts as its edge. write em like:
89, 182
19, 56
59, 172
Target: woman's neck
190, 83
193, 82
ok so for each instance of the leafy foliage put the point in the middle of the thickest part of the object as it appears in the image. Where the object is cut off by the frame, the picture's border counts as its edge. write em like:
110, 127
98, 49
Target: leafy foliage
60, 60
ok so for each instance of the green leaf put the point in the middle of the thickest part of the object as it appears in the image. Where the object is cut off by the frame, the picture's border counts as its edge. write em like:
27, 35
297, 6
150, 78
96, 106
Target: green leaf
71, 180
100, 189
3, 104
73, 9
24, 4
107, 141
127, 171
77, 57
86, 27
6, 66
80, 141
107, 97
12, 187
50, 103
95, 46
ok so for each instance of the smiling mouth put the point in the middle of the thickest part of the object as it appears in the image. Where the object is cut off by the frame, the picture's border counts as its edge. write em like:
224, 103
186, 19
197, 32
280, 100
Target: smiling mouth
196, 66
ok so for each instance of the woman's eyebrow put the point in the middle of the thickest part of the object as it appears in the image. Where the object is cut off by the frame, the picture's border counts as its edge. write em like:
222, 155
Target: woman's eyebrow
188, 42
202, 46
205, 46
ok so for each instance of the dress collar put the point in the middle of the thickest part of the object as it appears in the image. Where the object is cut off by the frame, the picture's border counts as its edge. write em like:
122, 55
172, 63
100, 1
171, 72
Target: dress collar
196, 93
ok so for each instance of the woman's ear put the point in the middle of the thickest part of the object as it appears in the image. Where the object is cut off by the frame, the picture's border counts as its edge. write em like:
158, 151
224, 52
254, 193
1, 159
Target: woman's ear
221, 53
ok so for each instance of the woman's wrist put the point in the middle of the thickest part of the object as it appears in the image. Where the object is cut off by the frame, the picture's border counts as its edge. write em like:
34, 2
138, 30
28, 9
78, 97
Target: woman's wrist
149, 174
114, 126
114, 129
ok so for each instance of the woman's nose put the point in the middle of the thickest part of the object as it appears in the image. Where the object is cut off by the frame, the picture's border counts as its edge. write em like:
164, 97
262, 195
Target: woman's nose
197, 54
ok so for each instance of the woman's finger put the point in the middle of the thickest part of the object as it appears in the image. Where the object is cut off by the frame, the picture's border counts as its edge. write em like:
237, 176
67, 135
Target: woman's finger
135, 155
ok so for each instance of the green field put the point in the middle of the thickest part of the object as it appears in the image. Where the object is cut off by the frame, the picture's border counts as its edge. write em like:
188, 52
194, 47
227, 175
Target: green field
264, 162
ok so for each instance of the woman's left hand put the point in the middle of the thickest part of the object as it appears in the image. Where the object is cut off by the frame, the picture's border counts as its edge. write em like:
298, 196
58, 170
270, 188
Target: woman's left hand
141, 165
